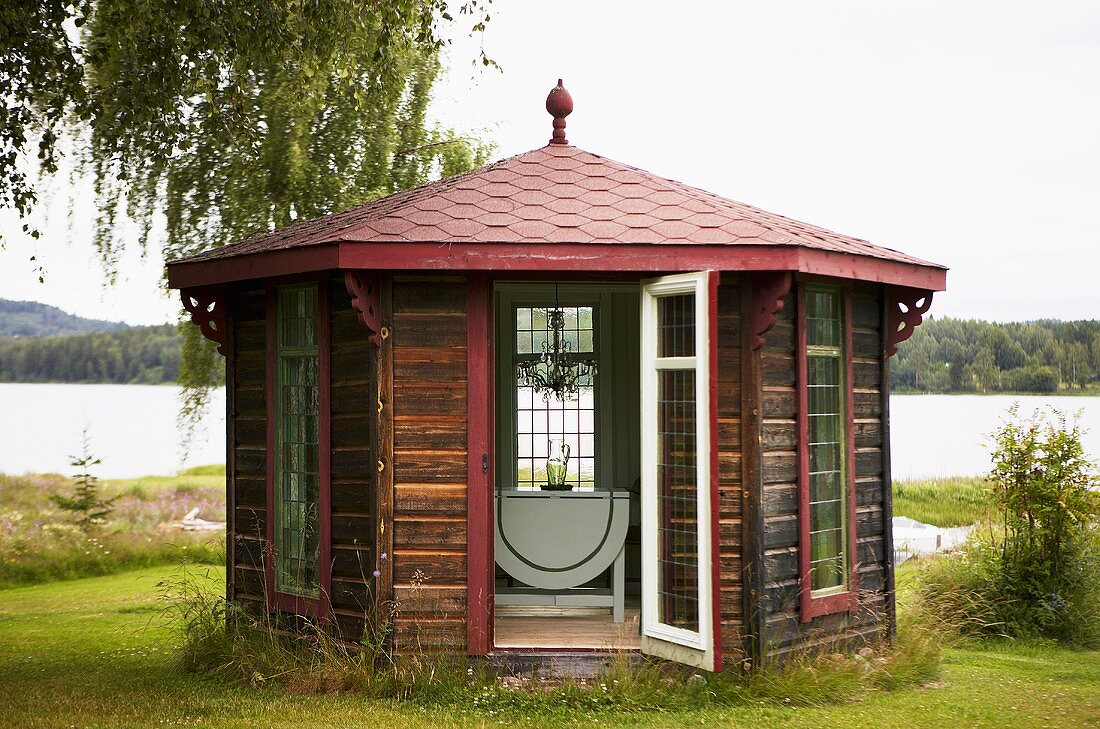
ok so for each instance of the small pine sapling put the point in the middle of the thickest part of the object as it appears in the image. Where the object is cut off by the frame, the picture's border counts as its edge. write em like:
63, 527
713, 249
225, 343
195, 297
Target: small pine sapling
86, 503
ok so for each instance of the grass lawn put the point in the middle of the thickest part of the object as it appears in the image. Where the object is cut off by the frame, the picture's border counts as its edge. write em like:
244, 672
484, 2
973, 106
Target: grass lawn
90, 652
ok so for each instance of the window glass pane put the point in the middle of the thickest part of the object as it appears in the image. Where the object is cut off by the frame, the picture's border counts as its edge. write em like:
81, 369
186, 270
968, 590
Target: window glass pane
676, 326
538, 419
823, 323
826, 447
297, 532
677, 501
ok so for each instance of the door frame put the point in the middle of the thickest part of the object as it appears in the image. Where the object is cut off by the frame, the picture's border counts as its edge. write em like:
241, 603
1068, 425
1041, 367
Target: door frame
702, 648
481, 416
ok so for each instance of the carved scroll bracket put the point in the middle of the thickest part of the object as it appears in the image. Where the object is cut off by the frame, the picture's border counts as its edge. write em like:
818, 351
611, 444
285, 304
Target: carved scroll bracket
206, 305
366, 296
768, 290
907, 308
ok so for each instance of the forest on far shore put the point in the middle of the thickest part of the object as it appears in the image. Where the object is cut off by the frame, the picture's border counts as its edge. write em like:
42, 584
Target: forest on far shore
943, 355
969, 355
131, 356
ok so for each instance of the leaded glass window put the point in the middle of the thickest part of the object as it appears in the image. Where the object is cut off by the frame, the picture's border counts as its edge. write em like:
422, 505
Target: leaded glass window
297, 477
827, 438
538, 419
677, 472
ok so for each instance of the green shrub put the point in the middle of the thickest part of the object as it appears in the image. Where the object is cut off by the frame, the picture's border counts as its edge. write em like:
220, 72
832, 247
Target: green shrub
1034, 569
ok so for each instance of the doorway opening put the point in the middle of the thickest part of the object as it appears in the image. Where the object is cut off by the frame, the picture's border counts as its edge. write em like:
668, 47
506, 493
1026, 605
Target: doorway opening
566, 513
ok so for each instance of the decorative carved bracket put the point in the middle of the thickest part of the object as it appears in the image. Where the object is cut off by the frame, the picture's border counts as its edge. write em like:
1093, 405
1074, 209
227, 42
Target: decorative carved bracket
366, 298
768, 290
907, 308
206, 305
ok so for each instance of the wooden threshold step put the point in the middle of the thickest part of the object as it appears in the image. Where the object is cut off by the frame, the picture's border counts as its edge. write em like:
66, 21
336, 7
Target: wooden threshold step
558, 664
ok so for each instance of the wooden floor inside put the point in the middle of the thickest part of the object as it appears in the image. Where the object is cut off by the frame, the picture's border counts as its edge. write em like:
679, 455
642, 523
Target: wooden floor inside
567, 628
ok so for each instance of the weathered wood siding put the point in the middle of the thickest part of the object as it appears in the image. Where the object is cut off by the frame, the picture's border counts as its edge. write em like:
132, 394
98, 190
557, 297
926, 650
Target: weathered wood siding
783, 628
429, 459
729, 468
246, 371
353, 463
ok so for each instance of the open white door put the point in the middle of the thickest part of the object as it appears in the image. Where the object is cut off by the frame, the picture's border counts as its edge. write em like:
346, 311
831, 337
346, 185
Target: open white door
677, 584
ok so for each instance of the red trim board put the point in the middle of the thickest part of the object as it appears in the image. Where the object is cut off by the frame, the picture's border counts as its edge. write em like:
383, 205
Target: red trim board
713, 280
479, 496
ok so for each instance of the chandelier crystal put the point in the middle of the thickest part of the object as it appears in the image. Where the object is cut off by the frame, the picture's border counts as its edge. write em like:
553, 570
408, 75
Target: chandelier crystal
558, 372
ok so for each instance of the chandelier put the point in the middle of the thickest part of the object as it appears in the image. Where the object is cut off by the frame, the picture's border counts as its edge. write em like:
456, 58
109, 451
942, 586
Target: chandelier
558, 371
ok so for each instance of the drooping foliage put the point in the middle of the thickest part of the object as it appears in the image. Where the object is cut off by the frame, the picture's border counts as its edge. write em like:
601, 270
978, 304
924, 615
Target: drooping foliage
41, 84
237, 118
148, 87
225, 118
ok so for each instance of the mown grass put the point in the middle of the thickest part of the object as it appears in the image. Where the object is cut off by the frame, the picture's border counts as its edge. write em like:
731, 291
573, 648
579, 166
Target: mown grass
40, 543
943, 502
92, 652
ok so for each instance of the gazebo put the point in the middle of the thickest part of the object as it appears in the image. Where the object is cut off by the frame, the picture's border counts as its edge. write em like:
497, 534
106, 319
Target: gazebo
560, 406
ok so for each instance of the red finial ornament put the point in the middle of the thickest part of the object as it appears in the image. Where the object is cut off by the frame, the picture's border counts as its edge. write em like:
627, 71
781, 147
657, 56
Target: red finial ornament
559, 103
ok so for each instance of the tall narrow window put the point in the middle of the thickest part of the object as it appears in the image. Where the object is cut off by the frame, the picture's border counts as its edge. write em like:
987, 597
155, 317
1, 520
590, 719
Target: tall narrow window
677, 471
297, 475
826, 446
677, 468
540, 419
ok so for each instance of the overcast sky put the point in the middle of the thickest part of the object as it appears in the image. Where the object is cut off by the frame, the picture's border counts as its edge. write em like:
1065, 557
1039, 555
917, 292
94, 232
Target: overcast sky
963, 133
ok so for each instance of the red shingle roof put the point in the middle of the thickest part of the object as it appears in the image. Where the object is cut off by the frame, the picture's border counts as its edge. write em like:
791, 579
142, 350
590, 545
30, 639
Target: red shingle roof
557, 194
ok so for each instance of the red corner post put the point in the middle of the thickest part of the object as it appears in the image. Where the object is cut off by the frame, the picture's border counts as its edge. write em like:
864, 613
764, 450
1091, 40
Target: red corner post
479, 492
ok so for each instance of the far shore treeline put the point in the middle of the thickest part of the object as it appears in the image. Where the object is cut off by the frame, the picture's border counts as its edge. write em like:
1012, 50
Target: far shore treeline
968, 355
132, 356
943, 355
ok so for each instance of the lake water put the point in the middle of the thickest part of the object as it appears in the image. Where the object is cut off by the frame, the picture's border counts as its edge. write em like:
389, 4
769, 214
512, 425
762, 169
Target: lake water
133, 429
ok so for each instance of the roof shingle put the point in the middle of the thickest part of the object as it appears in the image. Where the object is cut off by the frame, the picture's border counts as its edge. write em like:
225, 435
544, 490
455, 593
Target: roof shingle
558, 194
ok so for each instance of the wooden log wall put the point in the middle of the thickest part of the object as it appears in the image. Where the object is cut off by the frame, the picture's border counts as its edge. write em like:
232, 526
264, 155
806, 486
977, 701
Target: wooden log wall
352, 466
729, 469
783, 629
429, 461
247, 454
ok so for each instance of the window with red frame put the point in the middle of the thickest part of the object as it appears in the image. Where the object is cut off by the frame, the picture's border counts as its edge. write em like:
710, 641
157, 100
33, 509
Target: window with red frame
826, 491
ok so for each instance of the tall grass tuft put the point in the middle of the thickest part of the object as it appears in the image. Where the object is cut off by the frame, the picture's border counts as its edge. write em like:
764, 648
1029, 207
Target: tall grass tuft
250, 646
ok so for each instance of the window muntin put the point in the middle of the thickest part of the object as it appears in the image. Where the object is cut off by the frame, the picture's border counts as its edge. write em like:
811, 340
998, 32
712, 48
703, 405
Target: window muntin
677, 479
827, 445
539, 420
297, 474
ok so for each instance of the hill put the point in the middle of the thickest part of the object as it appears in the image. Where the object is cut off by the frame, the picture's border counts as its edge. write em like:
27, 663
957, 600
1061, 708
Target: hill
32, 319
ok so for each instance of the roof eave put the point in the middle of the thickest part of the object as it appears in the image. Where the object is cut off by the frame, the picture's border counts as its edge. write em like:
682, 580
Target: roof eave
565, 257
